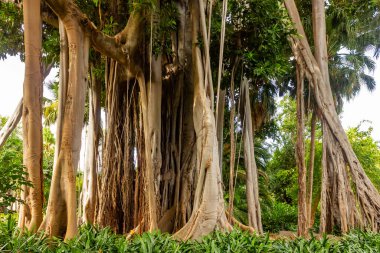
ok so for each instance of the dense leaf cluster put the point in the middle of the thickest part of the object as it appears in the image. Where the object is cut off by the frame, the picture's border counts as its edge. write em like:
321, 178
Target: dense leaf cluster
13, 176
91, 239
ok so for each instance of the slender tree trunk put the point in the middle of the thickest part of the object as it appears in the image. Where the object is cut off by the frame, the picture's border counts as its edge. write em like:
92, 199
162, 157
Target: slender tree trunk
11, 124
300, 156
309, 196
220, 125
231, 188
252, 183
220, 93
154, 134
31, 211
314, 208
91, 164
63, 83
206, 46
61, 211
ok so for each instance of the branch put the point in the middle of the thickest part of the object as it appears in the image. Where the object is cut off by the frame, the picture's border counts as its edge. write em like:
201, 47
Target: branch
49, 18
11, 124
106, 45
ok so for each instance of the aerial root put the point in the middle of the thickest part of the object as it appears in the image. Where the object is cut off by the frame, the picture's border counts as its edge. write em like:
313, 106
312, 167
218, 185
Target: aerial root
239, 224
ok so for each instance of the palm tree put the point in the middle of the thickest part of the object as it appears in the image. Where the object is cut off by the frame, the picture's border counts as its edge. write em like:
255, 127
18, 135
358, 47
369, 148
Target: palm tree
50, 110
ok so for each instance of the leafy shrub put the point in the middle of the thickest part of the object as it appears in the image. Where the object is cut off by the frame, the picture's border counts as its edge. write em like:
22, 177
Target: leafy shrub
93, 239
13, 176
279, 216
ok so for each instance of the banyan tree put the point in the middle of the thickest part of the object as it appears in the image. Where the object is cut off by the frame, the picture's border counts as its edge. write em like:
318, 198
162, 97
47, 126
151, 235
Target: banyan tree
165, 78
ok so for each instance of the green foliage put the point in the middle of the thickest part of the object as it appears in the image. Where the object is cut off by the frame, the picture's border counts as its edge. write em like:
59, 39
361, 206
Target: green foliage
50, 107
13, 176
110, 26
264, 27
48, 161
282, 168
93, 239
11, 32
280, 216
164, 24
367, 150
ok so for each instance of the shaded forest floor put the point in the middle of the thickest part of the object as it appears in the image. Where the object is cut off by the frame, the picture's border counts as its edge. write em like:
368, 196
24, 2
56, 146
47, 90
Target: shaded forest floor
91, 239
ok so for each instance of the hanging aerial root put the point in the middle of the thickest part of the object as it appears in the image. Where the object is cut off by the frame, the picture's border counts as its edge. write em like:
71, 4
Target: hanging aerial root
240, 225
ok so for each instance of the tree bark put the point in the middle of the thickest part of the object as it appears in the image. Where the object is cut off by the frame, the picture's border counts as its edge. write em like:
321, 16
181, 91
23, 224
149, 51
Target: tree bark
61, 211
300, 156
252, 183
231, 188
220, 125
208, 209
154, 135
314, 208
63, 84
31, 211
188, 139
309, 196
89, 190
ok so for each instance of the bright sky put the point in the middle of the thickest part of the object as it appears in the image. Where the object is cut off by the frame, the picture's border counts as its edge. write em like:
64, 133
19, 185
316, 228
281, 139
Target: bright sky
365, 106
11, 81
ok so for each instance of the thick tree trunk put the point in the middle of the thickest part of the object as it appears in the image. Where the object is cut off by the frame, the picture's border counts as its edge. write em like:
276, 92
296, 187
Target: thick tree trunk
364, 209
31, 212
208, 210
300, 156
188, 139
11, 124
252, 183
61, 211
89, 191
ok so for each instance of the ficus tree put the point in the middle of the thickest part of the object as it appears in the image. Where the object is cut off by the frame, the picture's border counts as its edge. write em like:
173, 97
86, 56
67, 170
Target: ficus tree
161, 163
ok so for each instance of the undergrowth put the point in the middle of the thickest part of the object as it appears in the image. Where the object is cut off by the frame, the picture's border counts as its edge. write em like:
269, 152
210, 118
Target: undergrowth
92, 239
